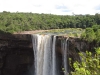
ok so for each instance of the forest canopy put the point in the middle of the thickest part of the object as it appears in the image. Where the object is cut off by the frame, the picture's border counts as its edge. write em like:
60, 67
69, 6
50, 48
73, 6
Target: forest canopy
16, 22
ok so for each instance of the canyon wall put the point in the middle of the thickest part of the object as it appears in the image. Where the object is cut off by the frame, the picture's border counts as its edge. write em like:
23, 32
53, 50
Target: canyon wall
17, 57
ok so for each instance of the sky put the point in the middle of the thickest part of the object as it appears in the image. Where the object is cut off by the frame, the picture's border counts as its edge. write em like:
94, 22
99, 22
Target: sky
58, 7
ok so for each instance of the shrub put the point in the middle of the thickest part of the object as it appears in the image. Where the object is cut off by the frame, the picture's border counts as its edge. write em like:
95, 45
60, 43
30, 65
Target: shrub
89, 65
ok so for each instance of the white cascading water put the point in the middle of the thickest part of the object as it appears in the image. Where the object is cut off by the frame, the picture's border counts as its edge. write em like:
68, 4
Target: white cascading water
54, 70
44, 54
64, 46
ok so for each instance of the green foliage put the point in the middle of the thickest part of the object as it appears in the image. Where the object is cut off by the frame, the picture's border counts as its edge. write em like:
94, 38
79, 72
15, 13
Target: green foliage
16, 22
75, 35
83, 35
71, 32
96, 27
89, 65
97, 35
89, 34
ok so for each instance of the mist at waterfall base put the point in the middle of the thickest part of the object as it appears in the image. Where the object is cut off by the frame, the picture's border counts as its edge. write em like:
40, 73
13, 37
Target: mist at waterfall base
46, 61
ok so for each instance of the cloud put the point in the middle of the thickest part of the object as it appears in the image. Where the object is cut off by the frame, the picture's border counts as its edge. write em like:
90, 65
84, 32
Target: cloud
59, 7
37, 5
97, 7
62, 8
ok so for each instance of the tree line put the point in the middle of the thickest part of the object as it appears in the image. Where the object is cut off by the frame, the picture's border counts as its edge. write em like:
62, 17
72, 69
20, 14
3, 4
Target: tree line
16, 22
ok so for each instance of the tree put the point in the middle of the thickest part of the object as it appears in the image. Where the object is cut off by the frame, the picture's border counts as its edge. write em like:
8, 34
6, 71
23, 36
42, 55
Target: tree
89, 65
95, 27
98, 35
90, 35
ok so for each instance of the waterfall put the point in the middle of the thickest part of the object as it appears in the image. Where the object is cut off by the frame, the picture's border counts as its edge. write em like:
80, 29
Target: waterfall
44, 54
54, 72
64, 46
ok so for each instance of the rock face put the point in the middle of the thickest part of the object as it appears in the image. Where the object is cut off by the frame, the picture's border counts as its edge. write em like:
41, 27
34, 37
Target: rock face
16, 52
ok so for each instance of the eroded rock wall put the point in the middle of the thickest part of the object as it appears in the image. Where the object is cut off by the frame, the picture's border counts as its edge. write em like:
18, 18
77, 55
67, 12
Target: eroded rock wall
16, 52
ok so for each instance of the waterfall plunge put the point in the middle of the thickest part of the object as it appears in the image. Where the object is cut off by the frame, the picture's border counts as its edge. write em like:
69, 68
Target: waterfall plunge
64, 46
45, 55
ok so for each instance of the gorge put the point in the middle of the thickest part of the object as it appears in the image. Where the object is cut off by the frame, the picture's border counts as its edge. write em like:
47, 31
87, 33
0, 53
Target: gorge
34, 54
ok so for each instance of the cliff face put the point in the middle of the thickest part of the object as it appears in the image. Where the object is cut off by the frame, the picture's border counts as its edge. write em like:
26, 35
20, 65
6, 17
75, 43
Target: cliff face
16, 52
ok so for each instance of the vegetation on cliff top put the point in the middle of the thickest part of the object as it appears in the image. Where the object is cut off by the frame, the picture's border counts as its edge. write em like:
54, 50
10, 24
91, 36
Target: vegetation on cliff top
92, 34
70, 32
17, 22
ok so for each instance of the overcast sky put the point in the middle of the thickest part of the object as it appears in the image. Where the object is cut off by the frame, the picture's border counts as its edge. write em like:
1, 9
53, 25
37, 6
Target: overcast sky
59, 7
